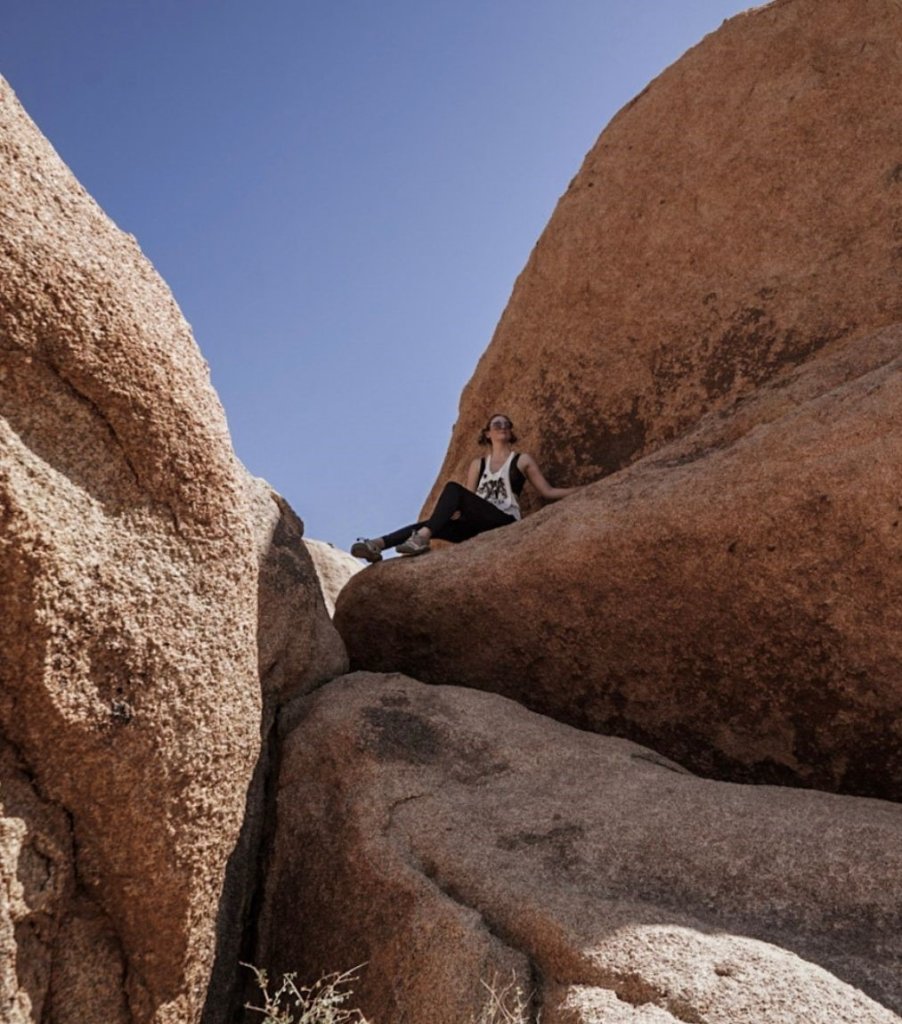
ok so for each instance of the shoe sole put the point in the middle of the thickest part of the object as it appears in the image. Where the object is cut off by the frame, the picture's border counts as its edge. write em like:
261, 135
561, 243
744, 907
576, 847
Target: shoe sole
412, 552
359, 550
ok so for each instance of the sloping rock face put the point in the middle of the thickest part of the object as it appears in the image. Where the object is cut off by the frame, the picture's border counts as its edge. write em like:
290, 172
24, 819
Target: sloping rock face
334, 567
734, 600
738, 215
444, 837
128, 660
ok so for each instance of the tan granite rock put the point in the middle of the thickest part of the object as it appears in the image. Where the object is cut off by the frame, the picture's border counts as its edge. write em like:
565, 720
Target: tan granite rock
742, 212
334, 567
733, 600
298, 647
445, 837
36, 887
128, 660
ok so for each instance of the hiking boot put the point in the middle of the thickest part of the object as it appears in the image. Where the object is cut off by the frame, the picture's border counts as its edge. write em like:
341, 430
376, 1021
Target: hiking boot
367, 549
414, 545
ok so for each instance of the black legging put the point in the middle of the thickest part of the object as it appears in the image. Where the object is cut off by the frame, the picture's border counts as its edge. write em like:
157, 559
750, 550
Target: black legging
476, 516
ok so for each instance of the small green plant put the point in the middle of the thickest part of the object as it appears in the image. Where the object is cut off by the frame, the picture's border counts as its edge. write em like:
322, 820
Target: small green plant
323, 1002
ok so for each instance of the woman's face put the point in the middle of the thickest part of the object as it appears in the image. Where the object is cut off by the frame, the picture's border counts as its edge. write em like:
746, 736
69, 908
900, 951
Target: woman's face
499, 426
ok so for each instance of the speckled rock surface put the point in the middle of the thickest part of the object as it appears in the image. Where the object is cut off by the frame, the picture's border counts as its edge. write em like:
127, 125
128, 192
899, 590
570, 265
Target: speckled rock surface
334, 567
36, 885
298, 648
128, 658
733, 600
444, 836
743, 211
297, 643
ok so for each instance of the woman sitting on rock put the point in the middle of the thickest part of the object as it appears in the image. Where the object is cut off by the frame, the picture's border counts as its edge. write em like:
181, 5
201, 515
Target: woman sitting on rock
489, 500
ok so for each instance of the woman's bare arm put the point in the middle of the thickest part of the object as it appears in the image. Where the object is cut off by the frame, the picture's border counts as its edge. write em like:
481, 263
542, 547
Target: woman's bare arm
533, 474
473, 475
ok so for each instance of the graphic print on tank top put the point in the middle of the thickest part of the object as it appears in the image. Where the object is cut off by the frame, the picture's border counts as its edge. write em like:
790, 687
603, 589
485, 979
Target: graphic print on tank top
494, 491
496, 487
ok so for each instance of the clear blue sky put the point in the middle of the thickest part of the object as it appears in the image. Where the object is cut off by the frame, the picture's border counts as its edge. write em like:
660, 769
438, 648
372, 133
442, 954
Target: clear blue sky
340, 194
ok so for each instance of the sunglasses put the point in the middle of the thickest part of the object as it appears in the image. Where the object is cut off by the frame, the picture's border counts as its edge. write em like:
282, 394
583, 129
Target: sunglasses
500, 425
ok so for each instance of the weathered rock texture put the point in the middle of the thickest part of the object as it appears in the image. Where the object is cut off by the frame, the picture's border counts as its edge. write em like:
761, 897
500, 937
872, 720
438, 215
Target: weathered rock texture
128, 668
443, 836
36, 883
738, 215
709, 312
298, 649
734, 600
334, 567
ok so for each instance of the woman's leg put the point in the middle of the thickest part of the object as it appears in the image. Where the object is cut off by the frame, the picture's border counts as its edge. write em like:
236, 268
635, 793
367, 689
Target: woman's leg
448, 503
396, 537
460, 514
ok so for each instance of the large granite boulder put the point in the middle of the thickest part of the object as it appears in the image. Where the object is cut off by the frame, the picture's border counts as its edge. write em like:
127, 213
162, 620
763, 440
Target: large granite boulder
742, 212
706, 322
445, 837
129, 692
733, 600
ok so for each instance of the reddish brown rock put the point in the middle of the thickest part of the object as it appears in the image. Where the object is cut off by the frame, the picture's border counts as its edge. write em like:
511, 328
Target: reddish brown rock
730, 593
733, 600
444, 836
738, 215
128, 659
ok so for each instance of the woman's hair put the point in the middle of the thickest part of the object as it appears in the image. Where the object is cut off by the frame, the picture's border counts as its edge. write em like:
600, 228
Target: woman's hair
484, 433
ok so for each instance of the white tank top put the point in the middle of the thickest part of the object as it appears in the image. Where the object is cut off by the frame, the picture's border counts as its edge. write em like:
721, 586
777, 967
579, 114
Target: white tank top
496, 487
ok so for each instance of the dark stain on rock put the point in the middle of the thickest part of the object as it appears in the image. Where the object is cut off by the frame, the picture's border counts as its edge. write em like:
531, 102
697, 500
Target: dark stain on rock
607, 444
560, 855
289, 563
754, 349
741, 353
288, 570
398, 735
619, 441
394, 700
290, 528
